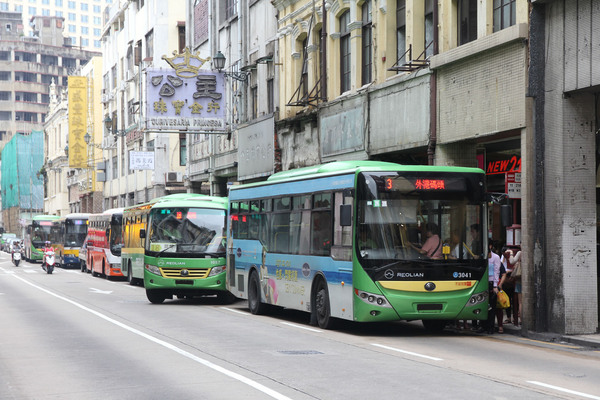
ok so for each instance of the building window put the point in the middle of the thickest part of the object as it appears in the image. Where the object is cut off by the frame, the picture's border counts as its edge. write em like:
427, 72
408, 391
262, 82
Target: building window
401, 31
254, 100
367, 46
270, 96
230, 8
428, 28
505, 14
467, 21
304, 71
182, 149
150, 43
344, 52
181, 38
115, 167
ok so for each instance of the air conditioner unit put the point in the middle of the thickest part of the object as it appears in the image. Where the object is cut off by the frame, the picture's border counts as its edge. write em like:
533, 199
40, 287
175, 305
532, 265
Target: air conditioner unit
174, 176
104, 98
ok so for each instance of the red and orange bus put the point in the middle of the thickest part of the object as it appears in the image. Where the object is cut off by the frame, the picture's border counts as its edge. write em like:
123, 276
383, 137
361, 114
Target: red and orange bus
105, 243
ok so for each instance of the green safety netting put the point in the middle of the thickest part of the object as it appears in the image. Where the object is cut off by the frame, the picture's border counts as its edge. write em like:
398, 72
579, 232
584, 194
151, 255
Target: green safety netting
22, 159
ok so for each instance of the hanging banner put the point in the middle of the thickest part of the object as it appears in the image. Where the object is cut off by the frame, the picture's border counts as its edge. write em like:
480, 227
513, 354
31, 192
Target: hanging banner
78, 107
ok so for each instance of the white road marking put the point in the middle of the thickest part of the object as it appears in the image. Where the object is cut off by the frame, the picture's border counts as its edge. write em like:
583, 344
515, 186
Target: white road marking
270, 392
94, 290
560, 389
235, 311
407, 352
302, 327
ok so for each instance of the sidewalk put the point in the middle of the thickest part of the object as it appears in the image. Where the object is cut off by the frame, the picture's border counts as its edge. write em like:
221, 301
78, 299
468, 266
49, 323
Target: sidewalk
592, 341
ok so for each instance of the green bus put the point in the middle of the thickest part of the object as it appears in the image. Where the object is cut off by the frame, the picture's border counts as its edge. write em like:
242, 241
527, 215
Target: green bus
175, 245
363, 241
36, 232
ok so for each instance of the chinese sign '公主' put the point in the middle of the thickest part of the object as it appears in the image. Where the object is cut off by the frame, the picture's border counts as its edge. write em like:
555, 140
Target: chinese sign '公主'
194, 104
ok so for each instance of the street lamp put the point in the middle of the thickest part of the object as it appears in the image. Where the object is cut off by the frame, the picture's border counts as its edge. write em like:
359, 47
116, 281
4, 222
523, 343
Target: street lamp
219, 63
108, 123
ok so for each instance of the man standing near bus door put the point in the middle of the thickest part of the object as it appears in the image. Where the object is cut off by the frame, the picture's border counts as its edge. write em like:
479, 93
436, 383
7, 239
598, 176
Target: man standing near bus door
494, 265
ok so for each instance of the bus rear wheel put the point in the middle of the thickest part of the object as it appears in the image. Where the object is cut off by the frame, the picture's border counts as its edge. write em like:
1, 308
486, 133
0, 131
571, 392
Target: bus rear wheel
155, 297
255, 304
321, 307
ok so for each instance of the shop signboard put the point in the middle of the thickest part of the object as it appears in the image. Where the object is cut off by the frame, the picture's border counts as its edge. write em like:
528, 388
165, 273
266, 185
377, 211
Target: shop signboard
513, 185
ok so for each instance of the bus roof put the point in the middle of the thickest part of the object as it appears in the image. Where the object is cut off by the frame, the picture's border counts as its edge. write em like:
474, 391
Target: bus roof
183, 200
352, 167
45, 218
76, 216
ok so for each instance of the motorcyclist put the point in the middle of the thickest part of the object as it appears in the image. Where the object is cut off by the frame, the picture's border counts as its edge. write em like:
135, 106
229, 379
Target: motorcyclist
16, 248
47, 248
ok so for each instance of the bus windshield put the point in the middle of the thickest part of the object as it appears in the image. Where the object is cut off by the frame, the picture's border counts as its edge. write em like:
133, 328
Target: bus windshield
41, 233
116, 238
75, 232
186, 231
410, 217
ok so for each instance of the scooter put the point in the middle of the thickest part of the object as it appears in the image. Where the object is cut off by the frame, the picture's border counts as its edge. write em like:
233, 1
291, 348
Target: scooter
16, 258
49, 261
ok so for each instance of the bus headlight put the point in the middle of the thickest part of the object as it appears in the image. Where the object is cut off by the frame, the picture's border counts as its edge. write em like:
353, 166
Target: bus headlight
153, 269
477, 298
216, 270
372, 299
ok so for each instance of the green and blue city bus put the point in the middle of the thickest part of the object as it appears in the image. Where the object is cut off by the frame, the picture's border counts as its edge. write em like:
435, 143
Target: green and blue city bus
178, 241
342, 241
36, 232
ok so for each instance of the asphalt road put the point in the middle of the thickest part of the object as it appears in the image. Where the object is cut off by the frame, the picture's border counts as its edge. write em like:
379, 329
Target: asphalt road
71, 336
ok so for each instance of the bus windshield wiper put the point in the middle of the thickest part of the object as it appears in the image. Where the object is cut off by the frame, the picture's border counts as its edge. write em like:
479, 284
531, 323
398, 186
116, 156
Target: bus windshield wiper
165, 249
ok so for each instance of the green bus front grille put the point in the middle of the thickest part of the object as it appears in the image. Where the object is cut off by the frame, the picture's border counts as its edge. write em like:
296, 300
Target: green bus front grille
184, 273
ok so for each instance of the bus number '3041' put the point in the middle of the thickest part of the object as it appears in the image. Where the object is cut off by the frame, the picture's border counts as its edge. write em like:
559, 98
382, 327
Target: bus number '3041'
462, 275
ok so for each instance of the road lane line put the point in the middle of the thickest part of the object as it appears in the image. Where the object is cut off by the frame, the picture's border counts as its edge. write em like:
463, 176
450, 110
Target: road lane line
302, 327
561, 389
270, 392
407, 352
235, 311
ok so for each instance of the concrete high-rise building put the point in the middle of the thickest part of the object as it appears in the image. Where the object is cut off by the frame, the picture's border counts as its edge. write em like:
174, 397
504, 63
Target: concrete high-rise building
28, 65
83, 19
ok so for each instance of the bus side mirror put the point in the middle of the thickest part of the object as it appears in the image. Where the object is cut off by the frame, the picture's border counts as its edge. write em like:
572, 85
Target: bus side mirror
142, 234
346, 215
506, 215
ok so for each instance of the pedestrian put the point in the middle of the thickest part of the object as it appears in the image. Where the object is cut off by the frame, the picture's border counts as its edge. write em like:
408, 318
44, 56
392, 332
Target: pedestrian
508, 284
493, 279
516, 275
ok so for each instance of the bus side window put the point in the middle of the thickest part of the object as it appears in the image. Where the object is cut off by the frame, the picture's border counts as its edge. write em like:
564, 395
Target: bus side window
342, 234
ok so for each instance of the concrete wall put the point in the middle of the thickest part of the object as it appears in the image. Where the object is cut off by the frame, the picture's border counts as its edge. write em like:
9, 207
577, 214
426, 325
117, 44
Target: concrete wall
399, 113
482, 86
570, 186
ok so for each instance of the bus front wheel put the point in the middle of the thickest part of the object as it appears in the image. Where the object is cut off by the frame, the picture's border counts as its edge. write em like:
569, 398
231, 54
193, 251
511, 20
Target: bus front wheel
255, 304
321, 308
155, 297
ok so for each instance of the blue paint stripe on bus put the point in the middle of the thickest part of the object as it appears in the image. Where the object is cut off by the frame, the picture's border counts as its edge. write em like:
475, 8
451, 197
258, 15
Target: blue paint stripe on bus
305, 186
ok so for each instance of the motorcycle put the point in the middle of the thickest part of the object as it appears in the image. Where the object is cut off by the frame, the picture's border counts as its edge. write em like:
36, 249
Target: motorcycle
49, 261
16, 258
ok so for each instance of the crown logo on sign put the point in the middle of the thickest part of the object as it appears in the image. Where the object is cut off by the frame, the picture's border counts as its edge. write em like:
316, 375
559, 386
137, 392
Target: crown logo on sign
186, 64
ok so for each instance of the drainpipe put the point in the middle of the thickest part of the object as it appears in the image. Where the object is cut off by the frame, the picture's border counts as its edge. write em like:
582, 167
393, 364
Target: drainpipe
433, 95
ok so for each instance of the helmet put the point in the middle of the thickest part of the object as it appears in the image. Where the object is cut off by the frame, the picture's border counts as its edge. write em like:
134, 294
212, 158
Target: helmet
47, 243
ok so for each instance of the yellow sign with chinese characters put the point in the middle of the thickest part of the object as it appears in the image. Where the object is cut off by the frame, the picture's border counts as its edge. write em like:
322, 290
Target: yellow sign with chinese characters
78, 110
